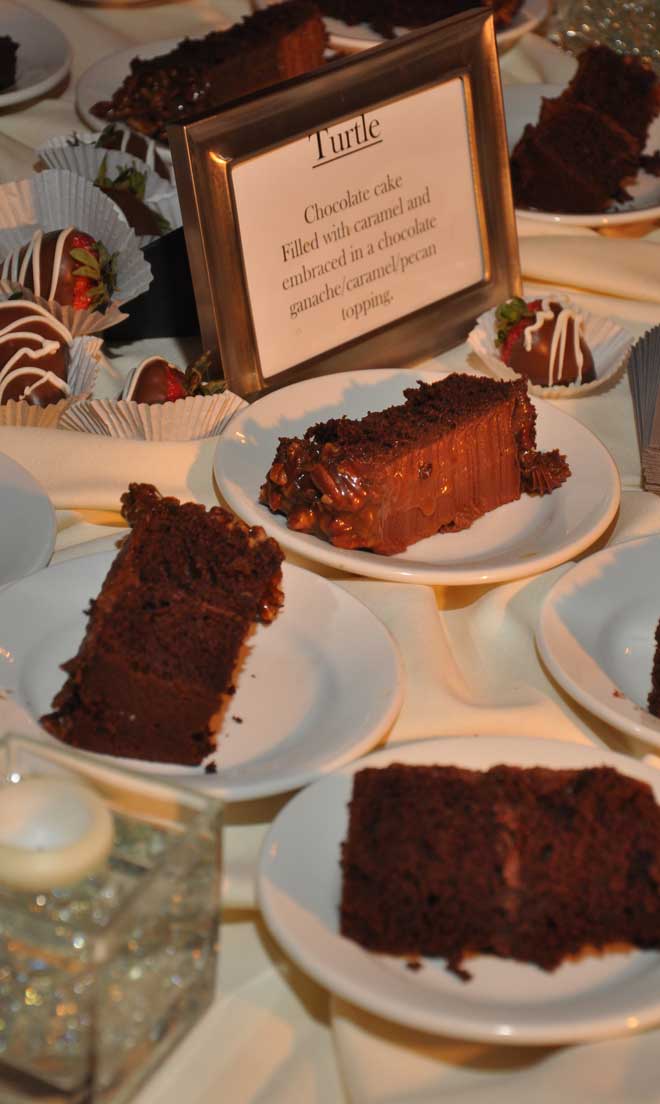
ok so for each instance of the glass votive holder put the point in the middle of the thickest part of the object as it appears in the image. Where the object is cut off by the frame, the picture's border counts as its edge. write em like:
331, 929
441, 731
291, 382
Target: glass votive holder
626, 26
108, 923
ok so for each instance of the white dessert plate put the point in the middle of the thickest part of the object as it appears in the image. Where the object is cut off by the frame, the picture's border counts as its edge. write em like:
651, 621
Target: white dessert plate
27, 525
44, 54
522, 103
319, 687
104, 77
596, 633
299, 890
521, 538
361, 36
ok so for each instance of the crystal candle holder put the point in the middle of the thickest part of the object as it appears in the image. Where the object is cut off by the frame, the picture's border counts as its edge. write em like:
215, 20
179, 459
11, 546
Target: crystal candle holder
101, 976
626, 26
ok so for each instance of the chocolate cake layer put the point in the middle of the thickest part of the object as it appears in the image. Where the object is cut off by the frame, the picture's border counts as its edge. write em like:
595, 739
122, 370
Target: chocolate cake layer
271, 45
8, 51
587, 145
654, 695
534, 865
454, 450
167, 631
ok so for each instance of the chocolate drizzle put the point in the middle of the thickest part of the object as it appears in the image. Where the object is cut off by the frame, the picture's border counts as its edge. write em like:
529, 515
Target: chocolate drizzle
34, 355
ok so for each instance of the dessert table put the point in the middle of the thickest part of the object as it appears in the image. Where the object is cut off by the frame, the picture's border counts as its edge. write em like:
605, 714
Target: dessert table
471, 667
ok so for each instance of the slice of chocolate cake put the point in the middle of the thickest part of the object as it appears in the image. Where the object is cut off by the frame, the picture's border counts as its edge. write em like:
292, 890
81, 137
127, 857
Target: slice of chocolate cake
271, 45
8, 51
534, 865
386, 15
456, 448
588, 143
573, 160
654, 695
167, 631
619, 86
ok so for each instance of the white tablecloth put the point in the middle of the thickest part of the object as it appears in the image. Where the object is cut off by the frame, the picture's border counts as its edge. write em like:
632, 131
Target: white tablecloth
269, 1036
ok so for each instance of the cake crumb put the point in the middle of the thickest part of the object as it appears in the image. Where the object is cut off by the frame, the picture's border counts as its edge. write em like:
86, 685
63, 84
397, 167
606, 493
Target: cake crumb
618, 694
239, 720
414, 964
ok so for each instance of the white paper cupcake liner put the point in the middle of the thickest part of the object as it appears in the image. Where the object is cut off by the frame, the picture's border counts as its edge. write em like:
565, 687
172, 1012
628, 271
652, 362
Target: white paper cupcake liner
85, 160
184, 420
54, 152
55, 199
609, 344
84, 363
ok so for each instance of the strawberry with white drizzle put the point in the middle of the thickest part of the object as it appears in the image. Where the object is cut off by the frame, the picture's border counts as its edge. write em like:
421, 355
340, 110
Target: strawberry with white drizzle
543, 340
66, 266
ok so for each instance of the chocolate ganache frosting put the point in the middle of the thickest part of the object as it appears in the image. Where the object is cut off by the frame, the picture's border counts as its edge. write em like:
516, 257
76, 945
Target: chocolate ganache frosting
456, 448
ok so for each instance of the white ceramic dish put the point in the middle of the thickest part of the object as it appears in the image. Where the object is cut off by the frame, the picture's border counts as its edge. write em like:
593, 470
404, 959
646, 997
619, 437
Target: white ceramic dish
44, 54
518, 539
522, 103
361, 36
320, 686
104, 77
596, 633
299, 888
27, 525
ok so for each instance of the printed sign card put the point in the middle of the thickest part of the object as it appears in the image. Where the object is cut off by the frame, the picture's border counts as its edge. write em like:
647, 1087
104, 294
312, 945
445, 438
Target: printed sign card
352, 238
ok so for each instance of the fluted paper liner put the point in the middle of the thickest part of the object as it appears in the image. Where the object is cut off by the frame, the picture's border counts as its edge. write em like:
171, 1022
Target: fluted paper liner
183, 420
85, 160
51, 154
609, 344
84, 363
53, 200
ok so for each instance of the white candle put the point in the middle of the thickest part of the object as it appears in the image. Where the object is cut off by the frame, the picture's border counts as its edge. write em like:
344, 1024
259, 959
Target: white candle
52, 833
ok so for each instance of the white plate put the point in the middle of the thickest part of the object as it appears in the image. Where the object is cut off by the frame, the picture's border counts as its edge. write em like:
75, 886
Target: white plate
104, 77
299, 888
596, 633
361, 36
27, 525
320, 685
518, 539
522, 103
44, 54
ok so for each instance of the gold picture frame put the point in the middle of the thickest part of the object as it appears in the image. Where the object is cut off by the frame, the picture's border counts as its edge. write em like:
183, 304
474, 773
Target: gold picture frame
255, 140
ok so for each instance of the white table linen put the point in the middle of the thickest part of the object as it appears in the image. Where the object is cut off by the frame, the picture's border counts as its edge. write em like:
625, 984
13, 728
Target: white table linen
469, 657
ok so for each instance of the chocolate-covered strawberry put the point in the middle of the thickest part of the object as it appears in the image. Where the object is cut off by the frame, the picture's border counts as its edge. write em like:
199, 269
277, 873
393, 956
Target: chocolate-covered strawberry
34, 354
155, 380
117, 137
543, 340
67, 266
127, 190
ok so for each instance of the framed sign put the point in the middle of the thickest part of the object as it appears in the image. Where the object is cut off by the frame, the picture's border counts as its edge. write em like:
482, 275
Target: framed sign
358, 216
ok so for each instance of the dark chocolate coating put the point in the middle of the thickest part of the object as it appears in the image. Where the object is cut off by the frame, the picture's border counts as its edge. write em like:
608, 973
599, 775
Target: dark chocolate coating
64, 288
151, 386
56, 362
534, 364
138, 215
44, 395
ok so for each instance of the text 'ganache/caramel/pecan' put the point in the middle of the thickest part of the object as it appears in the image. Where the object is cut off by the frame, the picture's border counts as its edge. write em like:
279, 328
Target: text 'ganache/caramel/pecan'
456, 448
